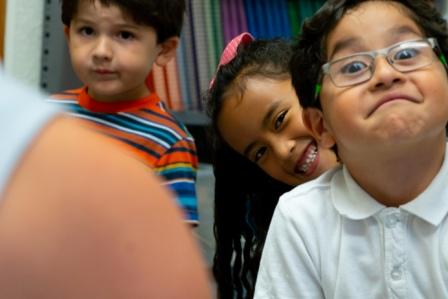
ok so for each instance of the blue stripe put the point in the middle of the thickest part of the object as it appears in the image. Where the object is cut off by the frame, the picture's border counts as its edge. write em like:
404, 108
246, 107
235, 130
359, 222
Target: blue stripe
189, 203
186, 193
174, 174
192, 216
160, 133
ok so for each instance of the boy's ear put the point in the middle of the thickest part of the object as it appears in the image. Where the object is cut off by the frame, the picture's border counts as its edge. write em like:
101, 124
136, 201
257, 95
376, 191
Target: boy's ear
168, 51
315, 123
67, 33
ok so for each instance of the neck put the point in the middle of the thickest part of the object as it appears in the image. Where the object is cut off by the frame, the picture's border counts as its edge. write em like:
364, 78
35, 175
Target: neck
397, 175
125, 96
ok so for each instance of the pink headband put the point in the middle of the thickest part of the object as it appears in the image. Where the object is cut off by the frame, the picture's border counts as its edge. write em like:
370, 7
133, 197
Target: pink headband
230, 51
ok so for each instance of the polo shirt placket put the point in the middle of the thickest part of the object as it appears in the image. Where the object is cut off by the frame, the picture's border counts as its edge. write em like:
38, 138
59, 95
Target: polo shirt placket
393, 221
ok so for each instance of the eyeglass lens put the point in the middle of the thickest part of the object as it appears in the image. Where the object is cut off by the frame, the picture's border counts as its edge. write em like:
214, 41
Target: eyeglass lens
358, 68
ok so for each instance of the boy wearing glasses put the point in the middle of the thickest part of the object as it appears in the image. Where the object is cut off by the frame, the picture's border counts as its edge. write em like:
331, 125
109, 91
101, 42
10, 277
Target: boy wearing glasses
371, 76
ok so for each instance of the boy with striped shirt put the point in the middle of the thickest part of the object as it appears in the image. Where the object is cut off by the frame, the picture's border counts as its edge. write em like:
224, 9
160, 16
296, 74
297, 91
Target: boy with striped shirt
113, 45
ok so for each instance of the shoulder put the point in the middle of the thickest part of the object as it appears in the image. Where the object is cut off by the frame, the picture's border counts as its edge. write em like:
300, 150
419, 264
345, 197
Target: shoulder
161, 114
310, 202
317, 188
68, 99
161, 127
69, 95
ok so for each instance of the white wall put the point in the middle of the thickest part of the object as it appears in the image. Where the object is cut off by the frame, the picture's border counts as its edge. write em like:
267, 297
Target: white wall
23, 39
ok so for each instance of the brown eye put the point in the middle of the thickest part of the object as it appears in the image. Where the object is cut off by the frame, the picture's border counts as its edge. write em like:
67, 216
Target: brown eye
259, 154
86, 31
126, 35
280, 119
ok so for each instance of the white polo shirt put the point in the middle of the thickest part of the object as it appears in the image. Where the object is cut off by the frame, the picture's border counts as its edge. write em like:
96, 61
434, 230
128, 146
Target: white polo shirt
330, 239
23, 113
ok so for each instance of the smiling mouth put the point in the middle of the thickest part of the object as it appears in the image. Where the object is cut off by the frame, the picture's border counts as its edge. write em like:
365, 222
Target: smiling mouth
308, 161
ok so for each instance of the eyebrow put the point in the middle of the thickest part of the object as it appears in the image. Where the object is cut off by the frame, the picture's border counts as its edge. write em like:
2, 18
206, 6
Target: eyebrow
343, 44
265, 123
117, 25
82, 20
347, 42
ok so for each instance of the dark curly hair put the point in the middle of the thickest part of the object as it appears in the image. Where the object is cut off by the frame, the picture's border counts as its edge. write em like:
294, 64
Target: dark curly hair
245, 199
166, 16
310, 53
245, 196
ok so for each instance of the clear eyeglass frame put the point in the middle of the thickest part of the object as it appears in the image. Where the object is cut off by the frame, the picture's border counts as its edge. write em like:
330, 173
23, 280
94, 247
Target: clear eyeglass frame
421, 48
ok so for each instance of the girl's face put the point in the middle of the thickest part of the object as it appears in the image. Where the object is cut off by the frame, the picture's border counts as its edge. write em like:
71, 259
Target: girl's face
264, 123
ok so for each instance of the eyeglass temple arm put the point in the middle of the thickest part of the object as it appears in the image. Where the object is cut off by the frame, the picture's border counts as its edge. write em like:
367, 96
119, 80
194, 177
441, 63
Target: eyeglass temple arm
442, 59
317, 89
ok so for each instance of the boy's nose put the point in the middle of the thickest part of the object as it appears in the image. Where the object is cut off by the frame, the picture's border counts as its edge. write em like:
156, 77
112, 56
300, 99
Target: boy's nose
102, 49
384, 74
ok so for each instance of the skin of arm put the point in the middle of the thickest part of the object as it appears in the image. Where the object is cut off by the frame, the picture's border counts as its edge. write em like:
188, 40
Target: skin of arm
81, 219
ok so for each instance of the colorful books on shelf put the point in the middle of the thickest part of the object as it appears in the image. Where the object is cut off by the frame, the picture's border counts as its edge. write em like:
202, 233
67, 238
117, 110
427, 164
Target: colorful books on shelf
208, 26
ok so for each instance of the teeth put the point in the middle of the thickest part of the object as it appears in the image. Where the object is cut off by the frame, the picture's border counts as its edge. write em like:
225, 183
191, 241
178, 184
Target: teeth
309, 160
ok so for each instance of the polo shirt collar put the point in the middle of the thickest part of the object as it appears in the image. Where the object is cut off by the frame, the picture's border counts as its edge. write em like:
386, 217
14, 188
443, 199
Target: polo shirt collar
89, 103
351, 201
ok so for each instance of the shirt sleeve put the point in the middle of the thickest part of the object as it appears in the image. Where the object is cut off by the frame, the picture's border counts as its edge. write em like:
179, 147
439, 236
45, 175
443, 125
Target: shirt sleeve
287, 269
178, 167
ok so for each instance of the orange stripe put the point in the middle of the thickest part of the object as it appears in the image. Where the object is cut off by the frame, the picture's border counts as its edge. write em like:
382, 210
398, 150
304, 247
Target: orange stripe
178, 157
67, 95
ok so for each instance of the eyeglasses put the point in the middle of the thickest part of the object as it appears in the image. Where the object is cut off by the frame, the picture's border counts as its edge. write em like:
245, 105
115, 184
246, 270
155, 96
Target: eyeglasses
405, 57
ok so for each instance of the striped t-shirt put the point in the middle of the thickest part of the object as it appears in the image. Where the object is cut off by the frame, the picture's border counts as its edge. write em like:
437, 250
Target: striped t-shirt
152, 133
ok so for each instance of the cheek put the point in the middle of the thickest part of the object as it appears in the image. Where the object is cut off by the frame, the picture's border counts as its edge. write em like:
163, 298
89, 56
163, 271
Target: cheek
139, 63
78, 62
435, 86
78, 55
341, 112
443, 82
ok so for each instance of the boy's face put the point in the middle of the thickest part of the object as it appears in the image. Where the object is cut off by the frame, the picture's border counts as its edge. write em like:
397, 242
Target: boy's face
110, 53
392, 107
